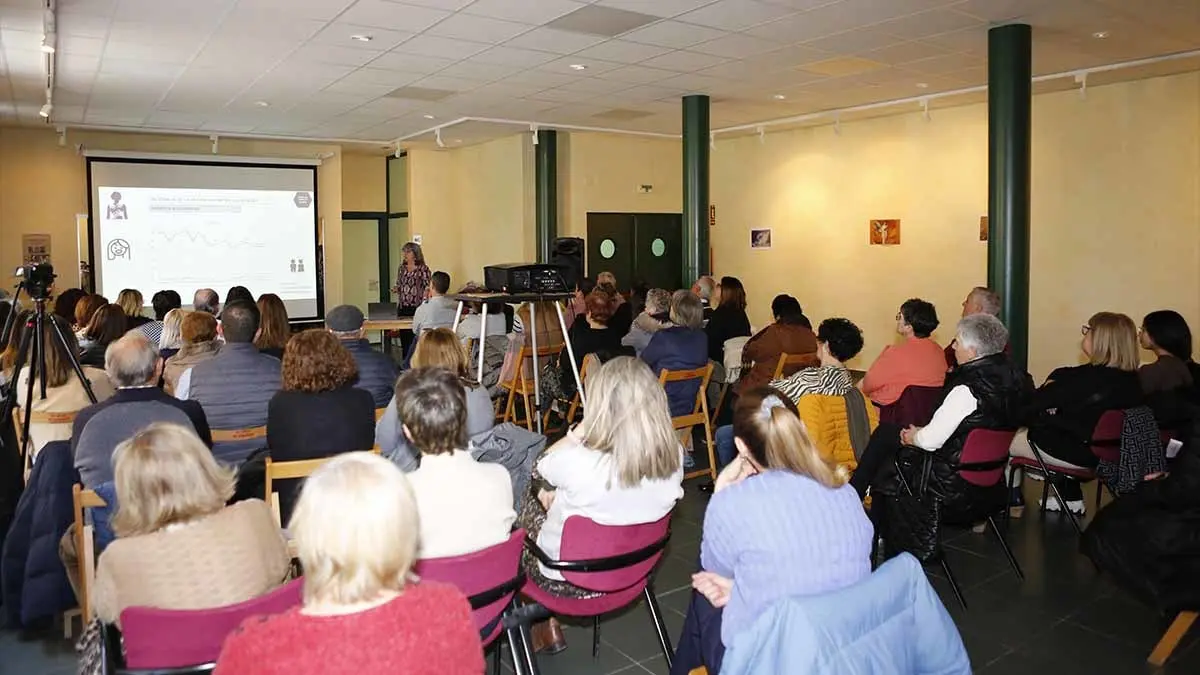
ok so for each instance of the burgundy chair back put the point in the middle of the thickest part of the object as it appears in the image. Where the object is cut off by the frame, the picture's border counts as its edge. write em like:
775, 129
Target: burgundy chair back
478, 572
168, 638
985, 448
583, 539
915, 406
1106, 439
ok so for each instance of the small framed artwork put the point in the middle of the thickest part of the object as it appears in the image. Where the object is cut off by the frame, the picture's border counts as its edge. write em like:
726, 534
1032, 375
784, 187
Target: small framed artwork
885, 232
983, 228
760, 238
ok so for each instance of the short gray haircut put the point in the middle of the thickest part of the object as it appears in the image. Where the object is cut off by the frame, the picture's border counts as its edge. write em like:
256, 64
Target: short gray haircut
206, 300
131, 361
989, 300
658, 301
982, 332
686, 309
706, 285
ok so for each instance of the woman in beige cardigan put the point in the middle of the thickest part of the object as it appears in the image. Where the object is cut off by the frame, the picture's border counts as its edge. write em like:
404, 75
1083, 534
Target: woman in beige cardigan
199, 334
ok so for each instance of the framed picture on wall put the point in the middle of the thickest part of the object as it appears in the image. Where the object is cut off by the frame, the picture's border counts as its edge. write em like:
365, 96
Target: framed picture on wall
983, 228
760, 238
885, 232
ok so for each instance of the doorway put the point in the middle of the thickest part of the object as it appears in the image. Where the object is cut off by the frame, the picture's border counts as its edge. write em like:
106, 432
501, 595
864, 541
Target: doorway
365, 275
644, 248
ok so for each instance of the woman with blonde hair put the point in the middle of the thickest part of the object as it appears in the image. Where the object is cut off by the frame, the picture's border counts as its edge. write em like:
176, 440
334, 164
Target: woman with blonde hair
1066, 408
364, 611
131, 303
179, 546
198, 334
274, 330
622, 465
170, 341
783, 521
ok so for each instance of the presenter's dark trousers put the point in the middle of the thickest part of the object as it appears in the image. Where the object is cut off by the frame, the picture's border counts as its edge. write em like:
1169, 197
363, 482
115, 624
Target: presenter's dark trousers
700, 642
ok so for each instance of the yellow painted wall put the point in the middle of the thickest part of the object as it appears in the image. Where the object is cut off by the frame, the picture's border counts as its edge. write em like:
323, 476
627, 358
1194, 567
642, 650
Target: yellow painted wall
1115, 213
43, 186
364, 182
433, 210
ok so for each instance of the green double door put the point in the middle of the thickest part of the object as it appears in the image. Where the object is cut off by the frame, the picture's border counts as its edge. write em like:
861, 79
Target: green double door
637, 248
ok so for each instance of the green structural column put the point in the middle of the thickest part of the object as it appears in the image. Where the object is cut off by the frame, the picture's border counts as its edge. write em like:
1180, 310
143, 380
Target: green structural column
546, 191
695, 188
1009, 100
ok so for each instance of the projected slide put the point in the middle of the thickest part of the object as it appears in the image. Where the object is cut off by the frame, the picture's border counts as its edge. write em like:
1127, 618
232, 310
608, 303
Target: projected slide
154, 238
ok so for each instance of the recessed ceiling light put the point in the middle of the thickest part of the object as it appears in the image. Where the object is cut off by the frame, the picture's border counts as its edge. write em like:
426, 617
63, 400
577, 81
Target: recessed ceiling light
779, 97
47, 48
578, 66
261, 104
457, 140
1100, 34
429, 117
922, 85
361, 38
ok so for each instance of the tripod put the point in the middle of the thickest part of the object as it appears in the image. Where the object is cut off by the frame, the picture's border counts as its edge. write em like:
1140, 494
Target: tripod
30, 350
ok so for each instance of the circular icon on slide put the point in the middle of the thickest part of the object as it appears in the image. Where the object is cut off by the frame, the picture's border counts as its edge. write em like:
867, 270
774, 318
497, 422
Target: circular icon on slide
303, 200
118, 248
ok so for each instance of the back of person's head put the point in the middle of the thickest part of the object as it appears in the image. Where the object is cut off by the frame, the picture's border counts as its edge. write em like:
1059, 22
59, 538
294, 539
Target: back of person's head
658, 301
274, 322
165, 301
841, 337
64, 304
705, 287
1169, 331
356, 528
196, 327
166, 475
786, 309
238, 294
628, 417
206, 300
986, 300
599, 305
733, 293
1113, 341
346, 322
131, 301
441, 348
172, 330
440, 282
315, 360
8, 359
432, 406
983, 333
87, 307
131, 361
240, 321
769, 424
6, 309
607, 278
585, 285
686, 309
921, 315
59, 370
107, 324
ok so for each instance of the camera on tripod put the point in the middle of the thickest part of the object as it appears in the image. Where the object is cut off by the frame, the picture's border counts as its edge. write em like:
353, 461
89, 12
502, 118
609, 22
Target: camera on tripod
37, 279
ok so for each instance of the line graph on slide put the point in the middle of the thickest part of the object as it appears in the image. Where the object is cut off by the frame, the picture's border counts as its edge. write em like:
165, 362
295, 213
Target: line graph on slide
214, 241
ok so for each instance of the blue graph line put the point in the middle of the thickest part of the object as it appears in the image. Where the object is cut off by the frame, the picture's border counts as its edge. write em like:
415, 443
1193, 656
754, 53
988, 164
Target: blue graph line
201, 236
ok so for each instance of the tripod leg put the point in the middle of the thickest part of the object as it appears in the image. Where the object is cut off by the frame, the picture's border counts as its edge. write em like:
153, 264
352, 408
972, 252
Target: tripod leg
74, 359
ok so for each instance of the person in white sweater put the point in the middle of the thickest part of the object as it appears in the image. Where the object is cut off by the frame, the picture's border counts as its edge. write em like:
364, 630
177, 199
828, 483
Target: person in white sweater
464, 506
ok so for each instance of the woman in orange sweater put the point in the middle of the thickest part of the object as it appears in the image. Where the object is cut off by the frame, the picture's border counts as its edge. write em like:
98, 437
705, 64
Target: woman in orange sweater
917, 361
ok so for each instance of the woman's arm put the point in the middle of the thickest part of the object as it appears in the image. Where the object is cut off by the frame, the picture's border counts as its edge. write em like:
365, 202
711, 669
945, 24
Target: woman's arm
873, 380
959, 403
719, 541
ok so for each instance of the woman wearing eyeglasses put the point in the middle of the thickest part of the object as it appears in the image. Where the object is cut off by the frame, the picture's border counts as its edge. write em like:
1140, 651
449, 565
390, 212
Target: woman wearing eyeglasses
1066, 408
783, 522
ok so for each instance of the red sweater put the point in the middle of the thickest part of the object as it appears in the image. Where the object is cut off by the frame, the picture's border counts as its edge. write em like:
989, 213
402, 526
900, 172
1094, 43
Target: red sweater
426, 631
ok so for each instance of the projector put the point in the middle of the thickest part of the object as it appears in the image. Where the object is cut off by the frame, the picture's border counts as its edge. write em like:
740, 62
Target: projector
524, 278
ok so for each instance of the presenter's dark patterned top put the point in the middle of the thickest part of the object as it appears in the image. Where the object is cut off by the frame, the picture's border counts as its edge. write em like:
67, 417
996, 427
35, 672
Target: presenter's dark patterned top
412, 284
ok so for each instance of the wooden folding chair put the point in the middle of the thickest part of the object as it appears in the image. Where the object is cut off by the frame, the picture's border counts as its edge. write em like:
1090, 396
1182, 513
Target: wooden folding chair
85, 549
790, 363
37, 417
1179, 627
590, 362
523, 385
300, 468
698, 416
379, 414
234, 435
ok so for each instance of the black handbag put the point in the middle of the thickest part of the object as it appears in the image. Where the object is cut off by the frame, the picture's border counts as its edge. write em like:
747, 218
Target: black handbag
913, 518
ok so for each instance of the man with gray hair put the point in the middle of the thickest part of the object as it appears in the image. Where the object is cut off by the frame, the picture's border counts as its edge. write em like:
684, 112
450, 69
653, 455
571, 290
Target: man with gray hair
654, 317
134, 367
981, 300
704, 288
207, 300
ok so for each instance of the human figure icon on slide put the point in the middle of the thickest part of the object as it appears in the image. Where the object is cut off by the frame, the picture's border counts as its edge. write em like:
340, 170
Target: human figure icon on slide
118, 248
300, 264
116, 210
293, 264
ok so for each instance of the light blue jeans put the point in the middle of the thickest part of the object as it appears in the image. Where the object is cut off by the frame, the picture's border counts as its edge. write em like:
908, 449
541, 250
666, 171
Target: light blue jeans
726, 450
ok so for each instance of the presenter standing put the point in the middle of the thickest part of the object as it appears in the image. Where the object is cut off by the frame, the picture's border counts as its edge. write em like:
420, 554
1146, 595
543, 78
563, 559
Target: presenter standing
412, 286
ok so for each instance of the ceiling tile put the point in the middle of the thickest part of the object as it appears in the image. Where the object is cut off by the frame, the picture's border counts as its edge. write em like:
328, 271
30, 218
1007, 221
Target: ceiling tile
594, 85
159, 12
308, 9
339, 33
79, 46
451, 5
854, 41
565, 65
637, 74
929, 23
244, 22
410, 63
322, 53
940, 65
83, 25
813, 24
603, 21
483, 72
736, 46
539, 78
393, 15
478, 29
734, 14
684, 61
663, 8
534, 12
432, 45
674, 34
553, 40
621, 51
999, 11
513, 56
905, 52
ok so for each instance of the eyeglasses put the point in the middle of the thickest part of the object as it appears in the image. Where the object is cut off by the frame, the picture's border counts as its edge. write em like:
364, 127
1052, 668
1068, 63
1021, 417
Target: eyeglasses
1085, 329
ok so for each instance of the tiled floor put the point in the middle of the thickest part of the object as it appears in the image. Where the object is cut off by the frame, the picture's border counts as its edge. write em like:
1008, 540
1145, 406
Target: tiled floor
1063, 619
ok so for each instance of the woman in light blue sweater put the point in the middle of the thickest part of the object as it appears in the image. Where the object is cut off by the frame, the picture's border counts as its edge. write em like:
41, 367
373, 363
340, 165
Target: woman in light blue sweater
783, 522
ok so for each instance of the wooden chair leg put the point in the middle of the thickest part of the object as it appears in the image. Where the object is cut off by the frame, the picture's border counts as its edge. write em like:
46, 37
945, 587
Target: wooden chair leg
509, 408
712, 452
530, 413
1170, 639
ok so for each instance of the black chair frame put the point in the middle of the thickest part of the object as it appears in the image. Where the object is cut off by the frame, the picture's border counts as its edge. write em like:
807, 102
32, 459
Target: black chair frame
1049, 474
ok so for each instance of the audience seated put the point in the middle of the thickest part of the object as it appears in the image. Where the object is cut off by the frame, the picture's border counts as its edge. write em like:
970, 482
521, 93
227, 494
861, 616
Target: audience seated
356, 531
578, 307
704, 288
235, 386
655, 317
622, 310
85, 309
318, 412
206, 300
1166, 333
134, 367
8, 359
681, 346
376, 371
622, 465
595, 334
987, 391
198, 343
1065, 409
782, 523
790, 334
107, 324
65, 302
728, 319
917, 361
170, 341
437, 311
131, 302
64, 391
437, 348
178, 545
238, 294
274, 332
163, 302
981, 300
464, 505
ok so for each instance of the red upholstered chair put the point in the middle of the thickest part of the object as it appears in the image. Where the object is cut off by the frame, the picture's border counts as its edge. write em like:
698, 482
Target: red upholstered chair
186, 641
915, 406
490, 579
614, 561
1105, 445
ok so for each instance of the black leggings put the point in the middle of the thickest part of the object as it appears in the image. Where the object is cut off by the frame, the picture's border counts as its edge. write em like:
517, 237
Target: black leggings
878, 457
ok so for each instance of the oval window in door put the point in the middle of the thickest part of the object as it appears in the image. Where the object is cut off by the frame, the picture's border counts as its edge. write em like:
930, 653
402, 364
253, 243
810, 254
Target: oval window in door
658, 247
608, 248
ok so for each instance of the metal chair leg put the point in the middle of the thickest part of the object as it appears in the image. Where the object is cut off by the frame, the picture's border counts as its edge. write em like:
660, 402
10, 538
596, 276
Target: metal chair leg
1099, 492
496, 651
1045, 496
595, 636
953, 583
1007, 551
664, 640
1062, 503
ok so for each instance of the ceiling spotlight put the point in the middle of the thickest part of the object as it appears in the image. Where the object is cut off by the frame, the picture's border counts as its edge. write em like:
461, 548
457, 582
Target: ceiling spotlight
922, 85
429, 117
46, 110
779, 97
361, 38
457, 140
261, 104
578, 66
47, 47
1100, 34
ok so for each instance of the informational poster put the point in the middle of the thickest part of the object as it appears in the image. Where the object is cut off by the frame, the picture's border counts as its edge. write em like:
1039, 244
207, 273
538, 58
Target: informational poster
35, 248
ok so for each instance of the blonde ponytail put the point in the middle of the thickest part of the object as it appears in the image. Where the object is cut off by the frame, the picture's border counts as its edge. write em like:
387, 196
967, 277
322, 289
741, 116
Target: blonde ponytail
768, 422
